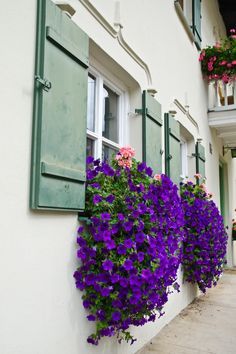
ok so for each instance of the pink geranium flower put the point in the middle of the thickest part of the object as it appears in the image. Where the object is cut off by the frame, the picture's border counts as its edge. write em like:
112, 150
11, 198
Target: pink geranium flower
157, 177
127, 152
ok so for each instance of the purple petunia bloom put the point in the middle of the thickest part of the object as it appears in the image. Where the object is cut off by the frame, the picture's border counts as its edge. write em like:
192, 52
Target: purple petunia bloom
80, 229
86, 304
97, 198
128, 243
105, 216
107, 265
128, 225
120, 216
128, 264
149, 171
115, 278
140, 256
89, 159
110, 199
110, 244
116, 316
91, 318
95, 185
121, 249
106, 291
140, 237
141, 167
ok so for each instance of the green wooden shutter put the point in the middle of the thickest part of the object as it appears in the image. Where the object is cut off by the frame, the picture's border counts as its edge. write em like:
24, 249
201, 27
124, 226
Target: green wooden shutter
196, 5
172, 148
200, 160
152, 140
60, 103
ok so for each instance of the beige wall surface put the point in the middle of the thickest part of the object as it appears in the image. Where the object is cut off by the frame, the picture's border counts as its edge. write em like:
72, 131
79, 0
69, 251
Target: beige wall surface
41, 310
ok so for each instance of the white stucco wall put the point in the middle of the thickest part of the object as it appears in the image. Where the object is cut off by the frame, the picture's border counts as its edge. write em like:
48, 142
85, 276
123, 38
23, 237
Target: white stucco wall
41, 311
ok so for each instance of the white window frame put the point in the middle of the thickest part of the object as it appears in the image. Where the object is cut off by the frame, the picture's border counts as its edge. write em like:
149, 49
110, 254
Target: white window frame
104, 78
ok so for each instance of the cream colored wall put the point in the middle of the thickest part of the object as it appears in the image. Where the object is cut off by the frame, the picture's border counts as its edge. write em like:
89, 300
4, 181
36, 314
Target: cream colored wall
41, 310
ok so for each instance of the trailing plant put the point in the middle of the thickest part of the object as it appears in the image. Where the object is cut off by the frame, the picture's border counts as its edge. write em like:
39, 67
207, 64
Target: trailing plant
131, 250
206, 238
218, 62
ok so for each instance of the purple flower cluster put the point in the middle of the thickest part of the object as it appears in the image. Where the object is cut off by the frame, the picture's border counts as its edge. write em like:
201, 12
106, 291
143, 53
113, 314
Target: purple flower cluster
131, 250
206, 238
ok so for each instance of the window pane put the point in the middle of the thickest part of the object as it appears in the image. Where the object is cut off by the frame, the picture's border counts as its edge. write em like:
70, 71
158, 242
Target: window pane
90, 147
108, 153
91, 103
110, 116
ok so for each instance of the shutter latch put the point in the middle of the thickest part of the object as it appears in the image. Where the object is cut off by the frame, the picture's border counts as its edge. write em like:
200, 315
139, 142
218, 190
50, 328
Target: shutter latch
44, 82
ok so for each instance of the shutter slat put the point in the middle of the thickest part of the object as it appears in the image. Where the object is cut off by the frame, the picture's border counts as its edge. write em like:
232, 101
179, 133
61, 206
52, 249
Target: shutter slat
172, 148
200, 161
152, 126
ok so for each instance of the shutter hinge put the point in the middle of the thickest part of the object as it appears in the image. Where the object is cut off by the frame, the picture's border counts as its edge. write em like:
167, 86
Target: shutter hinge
140, 111
47, 85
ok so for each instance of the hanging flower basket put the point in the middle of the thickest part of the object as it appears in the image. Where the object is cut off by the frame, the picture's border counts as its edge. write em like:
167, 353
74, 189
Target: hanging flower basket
218, 62
130, 252
206, 238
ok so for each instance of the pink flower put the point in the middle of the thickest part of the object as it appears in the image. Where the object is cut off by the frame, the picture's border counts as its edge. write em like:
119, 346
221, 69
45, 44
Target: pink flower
229, 65
125, 163
225, 78
217, 45
202, 55
232, 30
233, 62
127, 152
210, 66
198, 175
233, 36
223, 62
157, 177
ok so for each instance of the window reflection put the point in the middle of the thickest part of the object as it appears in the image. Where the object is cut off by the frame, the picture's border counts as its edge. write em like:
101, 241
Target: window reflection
110, 114
91, 103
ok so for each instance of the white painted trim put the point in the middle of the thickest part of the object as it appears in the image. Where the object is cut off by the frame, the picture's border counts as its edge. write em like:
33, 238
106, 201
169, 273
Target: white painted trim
116, 32
186, 112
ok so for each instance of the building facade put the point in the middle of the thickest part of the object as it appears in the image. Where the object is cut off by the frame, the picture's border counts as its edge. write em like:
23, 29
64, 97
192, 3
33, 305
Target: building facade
88, 77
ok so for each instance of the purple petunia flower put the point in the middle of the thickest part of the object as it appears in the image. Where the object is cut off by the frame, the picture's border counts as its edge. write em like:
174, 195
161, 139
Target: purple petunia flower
106, 291
141, 167
91, 318
128, 243
121, 249
140, 256
110, 244
149, 171
120, 216
115, 278
128, 225
107, 265
110, 199
128, 264
116, 316
140, 237
105, 216
97, 198
86, 304
89, 159
95, 185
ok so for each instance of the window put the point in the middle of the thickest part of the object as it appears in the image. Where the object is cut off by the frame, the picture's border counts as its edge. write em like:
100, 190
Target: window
105, 114
190, 14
